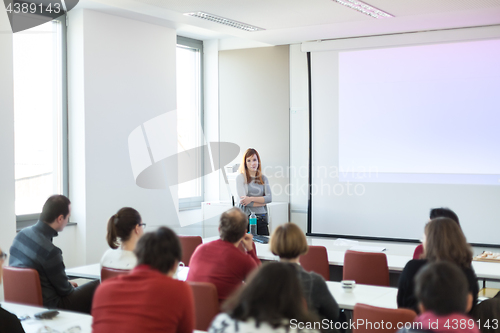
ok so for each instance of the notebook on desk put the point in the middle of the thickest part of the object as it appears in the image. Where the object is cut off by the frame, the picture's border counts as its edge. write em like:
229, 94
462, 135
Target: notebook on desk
261, 239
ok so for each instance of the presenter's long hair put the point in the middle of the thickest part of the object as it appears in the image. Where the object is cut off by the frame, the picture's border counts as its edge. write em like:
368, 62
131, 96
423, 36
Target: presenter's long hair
444, 240
272, 295
121, 225
244, 170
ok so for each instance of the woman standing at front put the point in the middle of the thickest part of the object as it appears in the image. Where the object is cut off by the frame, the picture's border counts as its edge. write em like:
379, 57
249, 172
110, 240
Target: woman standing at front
253, 190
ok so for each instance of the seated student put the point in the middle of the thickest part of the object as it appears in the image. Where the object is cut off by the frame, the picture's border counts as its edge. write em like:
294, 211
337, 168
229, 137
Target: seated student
8, 321
33, 248
435, 213
443, 240
148, 299
289, 243
221, 262
441, 290
271, 301
127, 227
487, 315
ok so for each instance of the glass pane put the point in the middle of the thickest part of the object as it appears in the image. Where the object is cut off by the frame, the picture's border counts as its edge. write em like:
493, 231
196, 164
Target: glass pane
188, 119
37, 116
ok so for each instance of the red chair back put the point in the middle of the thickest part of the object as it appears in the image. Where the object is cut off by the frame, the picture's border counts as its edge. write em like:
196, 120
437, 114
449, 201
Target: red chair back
316, 260
366, 268
22, 285
188, 245
206, 304
419, 250
376, 315
108, 273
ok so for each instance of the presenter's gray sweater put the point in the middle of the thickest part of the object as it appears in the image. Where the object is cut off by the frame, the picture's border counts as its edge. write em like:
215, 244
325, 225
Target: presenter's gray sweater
253, 189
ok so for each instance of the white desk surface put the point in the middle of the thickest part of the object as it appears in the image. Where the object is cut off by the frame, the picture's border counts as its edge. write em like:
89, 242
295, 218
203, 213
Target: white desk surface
93, 271
373, 295
398, 254
62, 322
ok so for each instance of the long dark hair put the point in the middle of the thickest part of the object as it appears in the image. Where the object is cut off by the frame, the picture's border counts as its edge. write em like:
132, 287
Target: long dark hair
121, 226
273, 295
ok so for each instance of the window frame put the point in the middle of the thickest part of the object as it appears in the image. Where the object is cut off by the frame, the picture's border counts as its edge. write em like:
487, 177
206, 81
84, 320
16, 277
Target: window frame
26, 220
195, 202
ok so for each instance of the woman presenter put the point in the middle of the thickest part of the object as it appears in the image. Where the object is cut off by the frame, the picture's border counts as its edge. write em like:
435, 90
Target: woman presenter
253, 189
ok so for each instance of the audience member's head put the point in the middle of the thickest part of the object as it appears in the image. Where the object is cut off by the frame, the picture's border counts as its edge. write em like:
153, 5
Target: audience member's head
441, 287
56, 212
123, 225
233, 225
444, 212
272, 295
160, 249
485, 313
288, 241
444, 240
3, 256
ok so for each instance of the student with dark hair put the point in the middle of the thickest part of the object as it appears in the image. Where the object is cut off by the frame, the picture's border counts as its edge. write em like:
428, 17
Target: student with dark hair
124, 230
442, 292
221, 262
33, 248
148, 299
271, 301
289, 243
8, 321
435, 213
487, 315
444, 212
444, 240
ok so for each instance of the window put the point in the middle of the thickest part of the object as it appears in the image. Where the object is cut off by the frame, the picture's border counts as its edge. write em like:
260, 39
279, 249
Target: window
40, 116
190, 122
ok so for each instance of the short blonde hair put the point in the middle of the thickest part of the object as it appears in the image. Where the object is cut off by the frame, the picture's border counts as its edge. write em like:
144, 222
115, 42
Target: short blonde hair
288, 241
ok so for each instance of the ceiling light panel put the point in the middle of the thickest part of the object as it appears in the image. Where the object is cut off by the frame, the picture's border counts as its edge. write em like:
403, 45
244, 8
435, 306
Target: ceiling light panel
225, 21
364, 8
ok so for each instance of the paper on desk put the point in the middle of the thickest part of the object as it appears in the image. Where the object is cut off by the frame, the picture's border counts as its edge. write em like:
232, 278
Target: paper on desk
345, 242
363, 248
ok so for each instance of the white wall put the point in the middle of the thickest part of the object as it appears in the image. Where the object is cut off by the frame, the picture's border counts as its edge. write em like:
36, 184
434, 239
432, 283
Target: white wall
121, 74
299, 136
254, 108
7, 213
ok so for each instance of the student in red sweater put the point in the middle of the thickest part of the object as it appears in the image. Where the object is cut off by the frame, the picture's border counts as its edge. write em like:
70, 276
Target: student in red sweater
148, 299
221, 262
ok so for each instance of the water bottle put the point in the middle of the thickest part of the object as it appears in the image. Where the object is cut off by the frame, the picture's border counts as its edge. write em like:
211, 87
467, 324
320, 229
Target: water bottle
253, 224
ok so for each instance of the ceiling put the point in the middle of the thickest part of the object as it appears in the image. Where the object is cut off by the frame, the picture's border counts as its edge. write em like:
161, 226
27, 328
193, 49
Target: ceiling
296, 21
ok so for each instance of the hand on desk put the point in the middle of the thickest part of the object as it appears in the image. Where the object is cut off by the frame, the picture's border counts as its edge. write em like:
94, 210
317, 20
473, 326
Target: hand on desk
74, 284
247, 241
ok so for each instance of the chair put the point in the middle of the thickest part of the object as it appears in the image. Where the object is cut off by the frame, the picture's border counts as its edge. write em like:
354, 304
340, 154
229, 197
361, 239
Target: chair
316, 260
188, 245
108, 273
22, 285
375, 316
206, 304
366, 268
419, 250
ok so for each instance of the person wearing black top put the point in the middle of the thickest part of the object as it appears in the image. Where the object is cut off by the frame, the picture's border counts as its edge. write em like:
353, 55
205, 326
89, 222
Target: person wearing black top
8, 322
443, 241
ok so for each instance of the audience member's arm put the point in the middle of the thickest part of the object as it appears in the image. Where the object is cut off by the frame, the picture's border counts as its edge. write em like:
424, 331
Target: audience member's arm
406, 297
250, 247
186, 324
328, 307
54, 268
